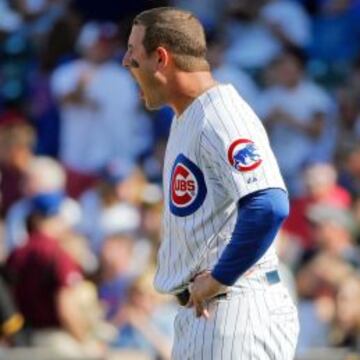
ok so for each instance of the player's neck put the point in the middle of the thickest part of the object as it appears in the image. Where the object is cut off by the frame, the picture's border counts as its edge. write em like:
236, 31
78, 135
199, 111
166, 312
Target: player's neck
187, 87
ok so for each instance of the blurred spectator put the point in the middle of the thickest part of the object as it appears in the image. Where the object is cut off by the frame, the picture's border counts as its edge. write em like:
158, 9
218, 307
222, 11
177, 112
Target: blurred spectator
261, 29
152, 210
17, 56
321, 187
16, 144
29, 23
11, 320
10, 20
348, 124
153, 164
97, 125
210, 12
58, 48
230, 73
333, 232
333, 21
297, 114
349, 169
43, 177
112, 206
44, 277
356, 213
38, 17
115, 273
288, 253
346, 327
353, 79
146, 322
317, 282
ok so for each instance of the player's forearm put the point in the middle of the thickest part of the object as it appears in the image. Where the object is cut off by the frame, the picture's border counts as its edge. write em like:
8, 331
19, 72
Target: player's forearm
260, 216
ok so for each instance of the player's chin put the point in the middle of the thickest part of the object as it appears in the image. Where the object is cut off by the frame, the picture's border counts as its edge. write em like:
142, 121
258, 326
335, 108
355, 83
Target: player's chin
151, 104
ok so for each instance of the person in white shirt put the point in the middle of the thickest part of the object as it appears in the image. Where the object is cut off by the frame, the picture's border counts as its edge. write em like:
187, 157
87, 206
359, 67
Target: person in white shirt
44, 178
261, 31
101, 118
297, 113
111, 207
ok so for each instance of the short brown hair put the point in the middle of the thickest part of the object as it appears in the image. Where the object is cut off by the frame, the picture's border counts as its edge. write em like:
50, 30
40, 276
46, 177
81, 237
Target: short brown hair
180, 32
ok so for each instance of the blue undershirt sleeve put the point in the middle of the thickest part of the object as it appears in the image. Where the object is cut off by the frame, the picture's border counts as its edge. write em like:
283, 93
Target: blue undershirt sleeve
259, 218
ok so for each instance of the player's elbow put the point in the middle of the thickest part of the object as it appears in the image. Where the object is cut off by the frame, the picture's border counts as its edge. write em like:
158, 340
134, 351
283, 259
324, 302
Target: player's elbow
262, 213
273, 209
280, 207
269, 207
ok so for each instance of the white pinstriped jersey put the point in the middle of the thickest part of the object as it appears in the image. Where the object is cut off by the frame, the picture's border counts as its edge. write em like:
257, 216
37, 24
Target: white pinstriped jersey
217, 153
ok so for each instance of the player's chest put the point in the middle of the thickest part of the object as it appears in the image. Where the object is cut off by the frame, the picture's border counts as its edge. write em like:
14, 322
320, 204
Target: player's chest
184, 182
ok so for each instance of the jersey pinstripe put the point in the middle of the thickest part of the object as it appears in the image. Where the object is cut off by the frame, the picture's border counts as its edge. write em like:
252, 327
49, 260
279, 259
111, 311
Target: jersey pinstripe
217, 153
249, 324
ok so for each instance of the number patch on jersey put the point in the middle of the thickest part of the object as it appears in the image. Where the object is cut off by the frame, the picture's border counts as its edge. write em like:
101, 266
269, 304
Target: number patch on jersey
243, 155
187, 187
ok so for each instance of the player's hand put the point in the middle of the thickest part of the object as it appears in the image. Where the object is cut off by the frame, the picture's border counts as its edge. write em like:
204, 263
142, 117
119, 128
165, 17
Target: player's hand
203, 288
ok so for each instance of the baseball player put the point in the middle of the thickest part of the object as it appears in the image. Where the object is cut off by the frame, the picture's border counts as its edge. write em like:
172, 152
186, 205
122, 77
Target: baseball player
225, 200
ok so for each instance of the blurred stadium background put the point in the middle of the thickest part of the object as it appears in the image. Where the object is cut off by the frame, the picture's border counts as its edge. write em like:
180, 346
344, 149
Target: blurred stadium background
81, 161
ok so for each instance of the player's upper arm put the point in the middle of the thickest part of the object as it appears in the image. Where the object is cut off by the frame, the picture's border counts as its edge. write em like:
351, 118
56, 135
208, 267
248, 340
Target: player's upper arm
234, 160
235, 149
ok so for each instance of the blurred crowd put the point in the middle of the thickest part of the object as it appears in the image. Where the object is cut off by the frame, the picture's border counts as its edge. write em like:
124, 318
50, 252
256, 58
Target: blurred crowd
81, 164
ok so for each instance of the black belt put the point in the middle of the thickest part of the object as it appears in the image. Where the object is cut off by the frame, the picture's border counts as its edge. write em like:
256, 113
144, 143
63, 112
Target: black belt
272, 277
184, 297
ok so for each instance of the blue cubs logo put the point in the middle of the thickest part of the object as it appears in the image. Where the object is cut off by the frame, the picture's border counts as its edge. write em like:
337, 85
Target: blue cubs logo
187, 187
243, 155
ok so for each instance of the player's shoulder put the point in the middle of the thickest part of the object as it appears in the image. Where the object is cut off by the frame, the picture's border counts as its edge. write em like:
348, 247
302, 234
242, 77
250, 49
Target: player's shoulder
215, 102
222, 107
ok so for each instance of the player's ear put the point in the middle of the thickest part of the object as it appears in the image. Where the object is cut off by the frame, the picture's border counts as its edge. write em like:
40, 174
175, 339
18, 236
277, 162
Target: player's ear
162, 57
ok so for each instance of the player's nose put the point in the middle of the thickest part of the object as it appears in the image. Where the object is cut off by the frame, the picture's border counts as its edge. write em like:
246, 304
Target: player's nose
126, 60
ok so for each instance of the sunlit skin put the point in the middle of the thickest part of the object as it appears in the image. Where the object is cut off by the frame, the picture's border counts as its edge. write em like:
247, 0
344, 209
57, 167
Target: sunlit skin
162, 83
160, 80
146, 69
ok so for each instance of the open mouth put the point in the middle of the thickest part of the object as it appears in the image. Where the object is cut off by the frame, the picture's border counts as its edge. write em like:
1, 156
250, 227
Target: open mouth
140, 91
